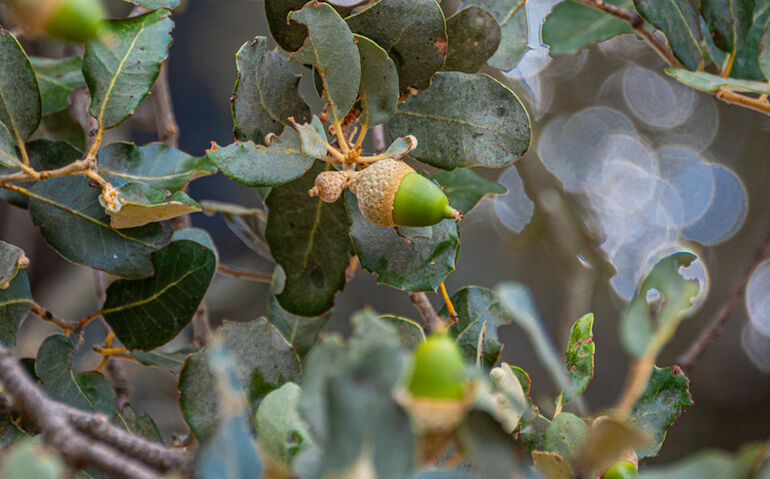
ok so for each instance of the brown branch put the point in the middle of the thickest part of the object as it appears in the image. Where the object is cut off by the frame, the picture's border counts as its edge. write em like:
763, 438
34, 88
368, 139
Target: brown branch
46, 315
234, 273
163, 107
430, 318
78, 435
712, 331
757, 104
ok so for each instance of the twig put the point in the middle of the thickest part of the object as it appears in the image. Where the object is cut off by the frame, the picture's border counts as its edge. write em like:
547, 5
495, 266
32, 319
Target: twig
163, 107
379, 143
430, 319
480, 343
756, 104
690, 357
72, 432
234, 273
46, 315
448, 302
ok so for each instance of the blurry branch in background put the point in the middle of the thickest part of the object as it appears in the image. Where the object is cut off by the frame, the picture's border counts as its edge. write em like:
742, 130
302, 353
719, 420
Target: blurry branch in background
713, 329
234, 273
85, 440
759, 104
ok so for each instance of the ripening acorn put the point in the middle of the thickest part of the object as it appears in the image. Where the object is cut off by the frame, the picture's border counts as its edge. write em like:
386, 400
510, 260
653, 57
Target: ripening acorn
438, 370
329, 185
620, 470
73, 20
391, 193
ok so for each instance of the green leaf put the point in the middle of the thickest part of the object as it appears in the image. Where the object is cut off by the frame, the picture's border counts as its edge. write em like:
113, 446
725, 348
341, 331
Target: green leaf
142, 426
88, 391
15, 301
474, 36
710, 83
60, 126
138, 204
263, 361
11, 260
300, 331
746, 64
401, 146
281, 432
490, 450
566, 435
7, 148
155, 164
580, 357
571, 26
714, 464
9, 432
20, 103
309, 239
312, 136
256, 165
121, 68
154, 4
147, 313
409, 332
679, 22
512, 17
465, 188
265, 94
420, 265
464, 120
764, 55
170, 361
69, 215
666, 395
475, 306
729, 21
648, 323
57, 78
413, 32
331, 50
379, 83
287, 34
31, 460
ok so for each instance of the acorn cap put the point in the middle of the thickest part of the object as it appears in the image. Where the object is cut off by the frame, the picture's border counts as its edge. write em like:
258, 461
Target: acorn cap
376, 186
329, 185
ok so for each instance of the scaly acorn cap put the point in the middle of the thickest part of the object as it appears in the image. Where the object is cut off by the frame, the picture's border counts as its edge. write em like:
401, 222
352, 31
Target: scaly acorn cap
329, 185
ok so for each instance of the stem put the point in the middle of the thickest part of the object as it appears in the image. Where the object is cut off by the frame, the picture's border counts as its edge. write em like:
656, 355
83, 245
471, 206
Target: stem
756, 104
46, 315
430, 319
639, 375
89, 318
23, 150
729, 66
234, 273
480, 343
163, 107
712, 331
449, 306
73, 169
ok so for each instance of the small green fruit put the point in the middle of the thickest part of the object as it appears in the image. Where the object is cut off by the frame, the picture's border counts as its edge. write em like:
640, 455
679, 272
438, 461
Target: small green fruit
620, 470
72, 20
438, 369
391, 193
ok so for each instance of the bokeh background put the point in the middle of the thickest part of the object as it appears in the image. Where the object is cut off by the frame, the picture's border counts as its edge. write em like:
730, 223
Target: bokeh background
622, 158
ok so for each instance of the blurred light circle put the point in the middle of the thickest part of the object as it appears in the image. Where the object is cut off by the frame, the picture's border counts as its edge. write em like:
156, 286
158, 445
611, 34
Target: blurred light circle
757, 297
726, 212
697, 132
657, 101
628, 177
634, 258
513, 209
757, 347
687, 188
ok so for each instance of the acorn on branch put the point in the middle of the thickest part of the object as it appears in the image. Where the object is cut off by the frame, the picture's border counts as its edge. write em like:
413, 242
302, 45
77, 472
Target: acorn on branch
72, 20
329, 185
391, 193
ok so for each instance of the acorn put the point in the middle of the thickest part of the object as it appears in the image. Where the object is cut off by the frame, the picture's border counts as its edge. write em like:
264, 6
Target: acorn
72, 20
329, 185
438, 369
391, 193
621, 470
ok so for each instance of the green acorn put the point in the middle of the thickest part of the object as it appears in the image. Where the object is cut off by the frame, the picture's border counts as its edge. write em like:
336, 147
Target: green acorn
72, 20
438, 369
620, 470
391, 193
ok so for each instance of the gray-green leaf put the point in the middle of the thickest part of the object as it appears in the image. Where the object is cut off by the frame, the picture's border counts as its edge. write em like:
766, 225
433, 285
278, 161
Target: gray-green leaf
514, 30
57, 78
121, 68
566, 435
11, 260
15, 301
138, 204
379, 83
580, 357
20, 102
464, 120
312, 136
571, 26
764, 55
708, 82
154, 4
729, 21
679, 22
287, 34
8, 156
474, 36
281, 432
465, 188
746, 63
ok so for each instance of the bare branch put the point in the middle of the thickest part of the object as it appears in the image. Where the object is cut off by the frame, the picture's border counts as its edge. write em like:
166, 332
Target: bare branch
234, 273
430, 319
165, 120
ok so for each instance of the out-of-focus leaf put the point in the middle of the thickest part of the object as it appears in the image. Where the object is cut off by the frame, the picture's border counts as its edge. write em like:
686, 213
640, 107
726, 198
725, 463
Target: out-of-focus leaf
413, 32
309, 239
255, 165
121, 68
138, 204
729, 21
609, 439
474, 36
713, 464
647, 324
465, 188
11, 260
571, 26
60, 126
512, 17
57, 78
476, 306
300, 331
409, 332
154, 164
379, 82
287, 34
312, 136
88, 391
666, 395
330, 48
9, 432
420, 265
15, 301
142, 426
764, 55
679, 22
707, 82
31, 460
490, 451
566, 435
464, 120
580, 357
21, 107
147, 313
262, 361
154, 4
510, 403
170, 361
551, 465
7, 148
746, 64
265, 94
280, 431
